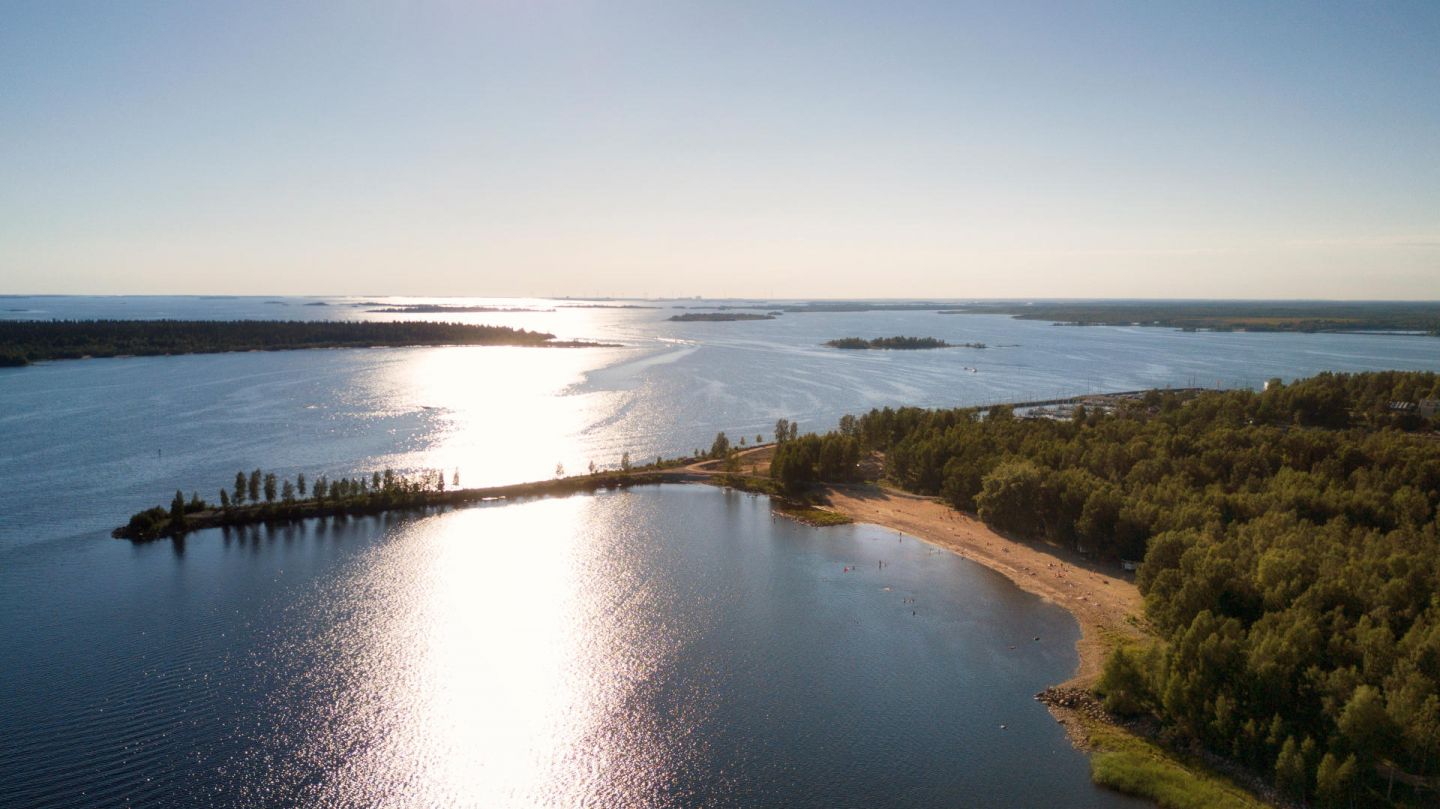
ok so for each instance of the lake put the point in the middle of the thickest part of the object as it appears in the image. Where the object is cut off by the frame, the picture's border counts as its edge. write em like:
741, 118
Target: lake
671, 646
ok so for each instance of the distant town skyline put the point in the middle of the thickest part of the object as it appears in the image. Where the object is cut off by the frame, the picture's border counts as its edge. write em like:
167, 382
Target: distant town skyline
774, 150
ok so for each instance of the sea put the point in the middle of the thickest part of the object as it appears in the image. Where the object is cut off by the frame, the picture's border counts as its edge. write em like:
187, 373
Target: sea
671, 646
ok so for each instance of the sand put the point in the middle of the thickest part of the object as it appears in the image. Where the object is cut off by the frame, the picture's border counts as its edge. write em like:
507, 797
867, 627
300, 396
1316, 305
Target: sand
1102, 598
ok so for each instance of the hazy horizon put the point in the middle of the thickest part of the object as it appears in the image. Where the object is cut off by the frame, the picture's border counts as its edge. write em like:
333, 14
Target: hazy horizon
934, 150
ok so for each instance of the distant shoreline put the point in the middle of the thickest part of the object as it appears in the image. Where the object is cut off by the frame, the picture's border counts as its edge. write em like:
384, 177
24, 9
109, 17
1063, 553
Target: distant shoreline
23, 342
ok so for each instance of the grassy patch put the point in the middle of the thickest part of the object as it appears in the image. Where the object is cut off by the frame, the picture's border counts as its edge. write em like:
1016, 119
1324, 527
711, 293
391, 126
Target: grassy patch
810, 515
1129, 764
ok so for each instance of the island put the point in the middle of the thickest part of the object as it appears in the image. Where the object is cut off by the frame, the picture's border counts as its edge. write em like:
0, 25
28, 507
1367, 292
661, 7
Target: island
1385, 317
716, 317
897, 343
25, 341
441, 308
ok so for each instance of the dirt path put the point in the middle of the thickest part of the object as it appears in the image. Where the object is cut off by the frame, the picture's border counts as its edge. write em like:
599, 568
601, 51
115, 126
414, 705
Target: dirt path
1102, 599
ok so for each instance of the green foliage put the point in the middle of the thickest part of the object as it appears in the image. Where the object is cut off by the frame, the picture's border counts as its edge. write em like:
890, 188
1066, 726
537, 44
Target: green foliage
1290, 546
810, 458
721, 446
1164, 782
177, 512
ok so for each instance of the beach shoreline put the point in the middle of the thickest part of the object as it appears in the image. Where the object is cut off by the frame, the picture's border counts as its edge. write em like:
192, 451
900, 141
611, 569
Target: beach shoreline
1103, 600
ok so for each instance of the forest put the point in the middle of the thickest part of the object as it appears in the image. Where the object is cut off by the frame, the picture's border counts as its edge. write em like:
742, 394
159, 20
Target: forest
1289, 558
26, 341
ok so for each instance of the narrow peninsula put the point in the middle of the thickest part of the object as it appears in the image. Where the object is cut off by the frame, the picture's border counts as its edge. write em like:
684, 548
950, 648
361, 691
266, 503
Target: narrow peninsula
25, 341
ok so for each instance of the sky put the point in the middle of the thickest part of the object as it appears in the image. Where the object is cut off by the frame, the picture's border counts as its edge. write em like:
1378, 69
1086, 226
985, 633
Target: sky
770, 149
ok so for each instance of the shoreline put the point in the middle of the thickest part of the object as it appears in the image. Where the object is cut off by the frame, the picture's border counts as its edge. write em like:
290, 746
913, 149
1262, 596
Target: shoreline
1104, 602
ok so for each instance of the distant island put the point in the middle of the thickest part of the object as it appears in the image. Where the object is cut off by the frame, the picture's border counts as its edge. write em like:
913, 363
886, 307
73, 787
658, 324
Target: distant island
897, 343
440, 308
25, 341
1420, 317
716, 317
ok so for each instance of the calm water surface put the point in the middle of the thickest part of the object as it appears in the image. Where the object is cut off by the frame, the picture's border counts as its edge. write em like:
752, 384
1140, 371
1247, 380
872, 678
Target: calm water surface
666, 647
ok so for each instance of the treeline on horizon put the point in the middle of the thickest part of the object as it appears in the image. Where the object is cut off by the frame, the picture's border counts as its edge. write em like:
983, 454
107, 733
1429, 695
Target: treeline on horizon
26, 341
1291, 558
1282, 316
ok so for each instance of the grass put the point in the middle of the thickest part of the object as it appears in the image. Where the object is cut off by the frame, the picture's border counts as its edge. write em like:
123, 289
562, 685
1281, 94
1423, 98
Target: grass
1126, 763
811, 515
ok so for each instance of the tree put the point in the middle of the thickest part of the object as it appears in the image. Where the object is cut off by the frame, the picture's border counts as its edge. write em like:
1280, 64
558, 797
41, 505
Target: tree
239, 487
1011, 497
592, 467
1123, 684
794, 430
224, 500
270, 487
177, 513
720, 446
300, 483
782, 430
287, 492
1365, 724
559, 470
1290, 770
454, 481
625, 462
253, 488
1334, 780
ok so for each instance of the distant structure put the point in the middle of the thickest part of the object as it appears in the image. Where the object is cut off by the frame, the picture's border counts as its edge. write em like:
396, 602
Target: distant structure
1429, 408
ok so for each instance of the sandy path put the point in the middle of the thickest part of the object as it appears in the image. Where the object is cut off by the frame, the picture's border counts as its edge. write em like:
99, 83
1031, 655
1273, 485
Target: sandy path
1102, 599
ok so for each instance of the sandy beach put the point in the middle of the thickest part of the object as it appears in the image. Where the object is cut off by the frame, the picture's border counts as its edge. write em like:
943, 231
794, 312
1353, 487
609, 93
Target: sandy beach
1102, 598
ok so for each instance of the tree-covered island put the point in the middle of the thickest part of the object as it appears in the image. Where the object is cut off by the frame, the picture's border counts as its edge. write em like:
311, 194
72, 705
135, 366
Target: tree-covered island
896, 343
716, 317
25, 341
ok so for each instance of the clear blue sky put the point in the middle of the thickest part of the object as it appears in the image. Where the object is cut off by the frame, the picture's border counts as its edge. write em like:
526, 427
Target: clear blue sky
1083, 149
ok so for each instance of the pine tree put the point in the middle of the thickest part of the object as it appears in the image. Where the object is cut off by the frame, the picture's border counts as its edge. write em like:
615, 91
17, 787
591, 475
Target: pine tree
177, 512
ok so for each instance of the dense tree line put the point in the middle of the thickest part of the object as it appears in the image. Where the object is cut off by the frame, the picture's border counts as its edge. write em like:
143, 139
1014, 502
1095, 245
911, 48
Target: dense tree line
1291, 559
25, 341
895, 343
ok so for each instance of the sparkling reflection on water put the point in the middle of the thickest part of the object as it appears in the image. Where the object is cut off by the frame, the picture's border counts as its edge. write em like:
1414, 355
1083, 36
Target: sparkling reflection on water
670, 646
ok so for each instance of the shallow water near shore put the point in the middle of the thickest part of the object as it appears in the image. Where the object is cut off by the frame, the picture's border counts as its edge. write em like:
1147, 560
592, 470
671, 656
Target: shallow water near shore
663, 647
